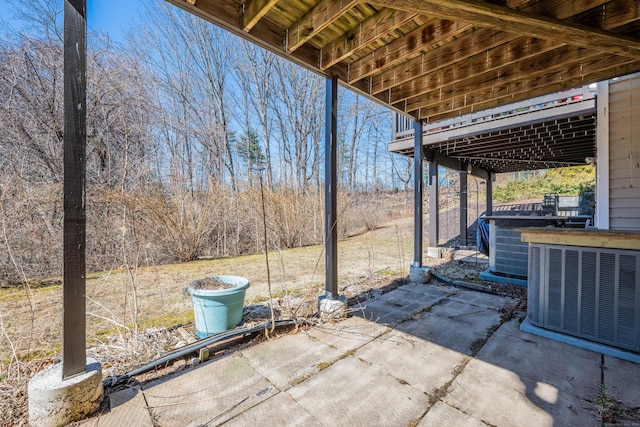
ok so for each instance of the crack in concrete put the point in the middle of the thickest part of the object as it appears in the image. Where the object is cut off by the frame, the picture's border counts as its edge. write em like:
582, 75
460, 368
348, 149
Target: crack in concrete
412, 315
442, 391
152, 415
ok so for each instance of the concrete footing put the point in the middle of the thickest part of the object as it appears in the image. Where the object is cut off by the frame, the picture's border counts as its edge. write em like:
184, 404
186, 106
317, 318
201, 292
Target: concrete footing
55, 402
527, 326
330, 308
419, 274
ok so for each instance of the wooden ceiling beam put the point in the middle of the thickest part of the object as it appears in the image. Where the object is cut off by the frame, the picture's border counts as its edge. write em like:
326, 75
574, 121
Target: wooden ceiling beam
602, 14
428, 36
552, 150
597, 69
460, 49
366, 32
534, 132
498, 144
407, 80
510, 158
564, 9
566, 62
454, 74
453, 97
316, 20
510, 61
254, 10
579, 150
265, 33
504, 18
564, 150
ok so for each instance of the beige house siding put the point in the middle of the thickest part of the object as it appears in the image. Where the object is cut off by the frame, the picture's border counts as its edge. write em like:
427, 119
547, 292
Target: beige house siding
624, 153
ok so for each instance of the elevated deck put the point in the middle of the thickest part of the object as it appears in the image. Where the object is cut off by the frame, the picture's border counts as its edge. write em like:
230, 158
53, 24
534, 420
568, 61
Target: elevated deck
546, 132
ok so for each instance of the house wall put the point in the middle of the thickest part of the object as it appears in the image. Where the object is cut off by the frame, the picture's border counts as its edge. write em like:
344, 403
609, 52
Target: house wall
623, 152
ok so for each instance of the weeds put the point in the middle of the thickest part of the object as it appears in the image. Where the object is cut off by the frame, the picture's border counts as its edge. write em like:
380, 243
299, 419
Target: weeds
612, 411
111, 332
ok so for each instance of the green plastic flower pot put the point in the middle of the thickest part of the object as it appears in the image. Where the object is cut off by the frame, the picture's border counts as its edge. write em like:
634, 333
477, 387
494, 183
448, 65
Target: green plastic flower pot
217, 310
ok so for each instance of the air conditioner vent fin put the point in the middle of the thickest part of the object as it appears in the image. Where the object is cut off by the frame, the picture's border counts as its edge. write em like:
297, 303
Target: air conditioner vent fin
592, 293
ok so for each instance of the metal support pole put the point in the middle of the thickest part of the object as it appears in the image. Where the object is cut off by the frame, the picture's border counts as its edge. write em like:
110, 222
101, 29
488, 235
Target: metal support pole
74, 359
464, 240
489, 209
331, 186
434, 217
417, 193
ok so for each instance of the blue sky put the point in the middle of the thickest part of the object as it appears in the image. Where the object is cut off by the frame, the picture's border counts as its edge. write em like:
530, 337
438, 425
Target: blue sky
111, 16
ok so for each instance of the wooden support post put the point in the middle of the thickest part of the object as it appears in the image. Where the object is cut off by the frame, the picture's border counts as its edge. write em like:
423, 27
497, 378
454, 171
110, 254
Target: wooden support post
417, 194
74, 234
330, 187
464, 240
434, 217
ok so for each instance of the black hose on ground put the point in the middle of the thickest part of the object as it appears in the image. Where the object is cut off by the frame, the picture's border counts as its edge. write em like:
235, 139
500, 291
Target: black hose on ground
467, 285
194, 347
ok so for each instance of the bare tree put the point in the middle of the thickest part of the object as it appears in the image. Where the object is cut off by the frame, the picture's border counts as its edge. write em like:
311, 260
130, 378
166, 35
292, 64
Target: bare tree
403, 170
254, 68
190, 59
298, 111
31, 135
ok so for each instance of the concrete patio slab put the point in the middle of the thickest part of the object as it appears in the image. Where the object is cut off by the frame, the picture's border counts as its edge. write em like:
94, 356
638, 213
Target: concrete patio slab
278, 410
482, 299
389, 311
289, 359
352, 392
622, 380
499, 396
444, 415
347, 335
450, 361
458, 326
127, 408
395, 307
503, 394
568, 369
133, 409
430, 292
421, 364
210, 394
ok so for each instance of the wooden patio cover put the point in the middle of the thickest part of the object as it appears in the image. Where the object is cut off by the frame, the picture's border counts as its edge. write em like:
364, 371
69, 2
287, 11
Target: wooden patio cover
437, 59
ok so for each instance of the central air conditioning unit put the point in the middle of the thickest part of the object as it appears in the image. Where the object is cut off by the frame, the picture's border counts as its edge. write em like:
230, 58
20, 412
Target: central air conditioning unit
509, 254
591, 293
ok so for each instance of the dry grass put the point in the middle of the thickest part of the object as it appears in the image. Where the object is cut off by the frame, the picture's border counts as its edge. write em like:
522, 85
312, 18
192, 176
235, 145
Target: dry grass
31, 320
124, 332
611, 411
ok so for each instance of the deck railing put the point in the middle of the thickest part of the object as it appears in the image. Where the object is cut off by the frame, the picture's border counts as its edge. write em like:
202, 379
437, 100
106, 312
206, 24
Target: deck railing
403, 126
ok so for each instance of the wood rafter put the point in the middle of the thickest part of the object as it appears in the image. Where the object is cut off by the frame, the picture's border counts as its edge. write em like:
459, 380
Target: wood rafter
316, 20
381, 64
572, 62
254, 10
481, 69
409, 81
522, 140
437, 59
554, 80
418, 72
519, 22
363, 34
430, 35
